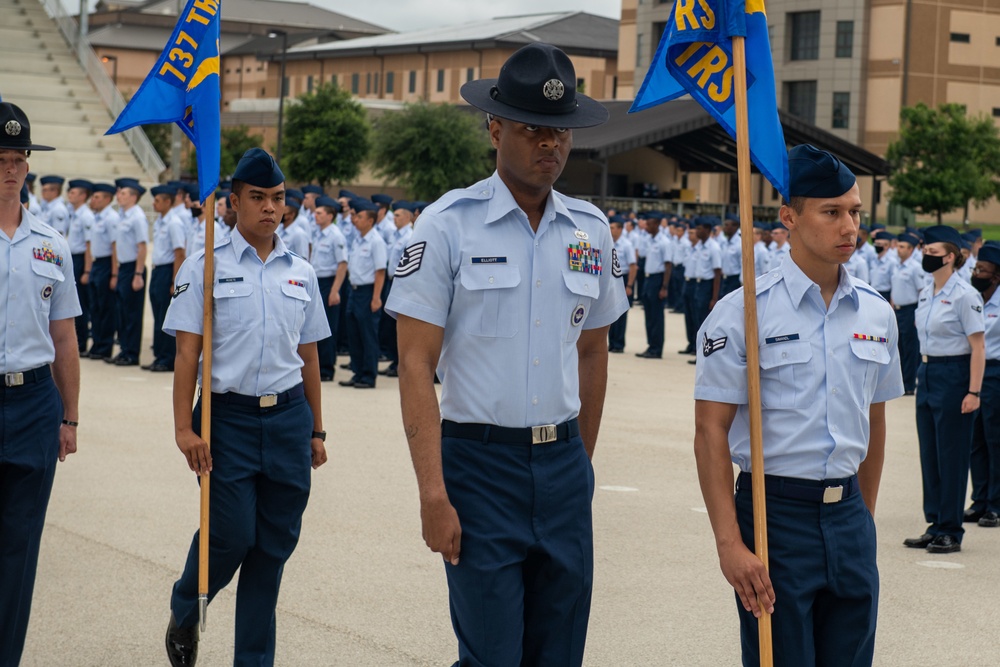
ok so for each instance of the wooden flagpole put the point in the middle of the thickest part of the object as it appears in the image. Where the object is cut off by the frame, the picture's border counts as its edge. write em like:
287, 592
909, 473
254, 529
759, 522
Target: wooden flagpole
750, 327
206, 405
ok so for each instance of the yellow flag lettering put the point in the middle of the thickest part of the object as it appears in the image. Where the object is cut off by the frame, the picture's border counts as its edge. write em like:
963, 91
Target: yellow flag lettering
692, 49
708, 20
721, 92
183, 37
168, 68
711, 63
187, 59
684, 13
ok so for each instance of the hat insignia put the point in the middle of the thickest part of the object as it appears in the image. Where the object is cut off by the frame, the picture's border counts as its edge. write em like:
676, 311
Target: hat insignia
553, 89
13, 128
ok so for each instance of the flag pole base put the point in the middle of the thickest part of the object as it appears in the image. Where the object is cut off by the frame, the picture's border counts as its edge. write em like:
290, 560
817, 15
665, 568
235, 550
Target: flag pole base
202, 611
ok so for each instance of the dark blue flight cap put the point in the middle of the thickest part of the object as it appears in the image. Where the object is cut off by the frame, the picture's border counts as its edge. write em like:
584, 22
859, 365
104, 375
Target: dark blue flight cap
309, 188
192, 190
169, 190
224, 196
347, 193
382, 199
974, 234
132, 184
761, 225
990, 253
328, 201
24, 193
48, 180
105, 187
943, 234
175, 184
294, 202
816, 173
82, 184
361, 204
401, 204
877, 226
778, 225
884, 236
864, 228
226, 186
293, 192
912, 239
30, 178
257, 167
420, 205
704, 221
966, 245
970, 237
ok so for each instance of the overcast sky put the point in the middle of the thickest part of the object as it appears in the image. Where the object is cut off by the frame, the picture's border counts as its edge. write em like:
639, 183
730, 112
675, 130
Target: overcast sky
408, 15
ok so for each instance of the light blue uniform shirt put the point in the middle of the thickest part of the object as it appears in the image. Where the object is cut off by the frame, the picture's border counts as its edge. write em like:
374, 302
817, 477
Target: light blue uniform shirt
761, 258
658, 253
641, 240
511, 307
703, 259
55, 214
991, 316
347, 228
37, 288
817, 379
778, 255
168, 236
328, 252
857, 266
295, 238
907, 281
262, 312
367, 255
626, 253
946, 320
400, 239
880, 272
103, 231
81, 221
132, 230
732, 254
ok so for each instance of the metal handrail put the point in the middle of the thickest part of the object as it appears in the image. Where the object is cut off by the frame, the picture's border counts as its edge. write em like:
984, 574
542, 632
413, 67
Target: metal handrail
136, 139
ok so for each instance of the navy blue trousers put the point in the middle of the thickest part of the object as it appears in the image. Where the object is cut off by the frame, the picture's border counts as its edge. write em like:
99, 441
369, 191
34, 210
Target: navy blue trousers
362, 334
160, 292
327, 348
616, 333
909, 345
652, 307
697, 296
945, 436
130, 309
387, 330
30, 417
103, 304
825, 578
728, 284
345, 300
640, 276
83, 293
261, 476
985, 461
675, 287
521, 592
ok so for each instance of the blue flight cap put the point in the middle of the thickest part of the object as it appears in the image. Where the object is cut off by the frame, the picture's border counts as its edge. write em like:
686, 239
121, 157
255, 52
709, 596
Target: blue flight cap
704, 221
816, 173
990, 253
864, 228
346, 193
383, 199
970, 237
175, 184
877, 226
943, 234
884, 236
105, 187
169, 190
912, 239
420, 205
778, 225
974, 234
24, 193
294, 202
294, 193
361, 204
258, 168
966, 245
328, 201
192, 190
30, 178
48, 180
761, 225
132, 184
400, 204
226, 186
82, 184
310, 189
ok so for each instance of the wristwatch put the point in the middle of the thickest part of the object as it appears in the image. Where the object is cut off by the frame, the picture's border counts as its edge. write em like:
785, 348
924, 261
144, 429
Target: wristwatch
320, 434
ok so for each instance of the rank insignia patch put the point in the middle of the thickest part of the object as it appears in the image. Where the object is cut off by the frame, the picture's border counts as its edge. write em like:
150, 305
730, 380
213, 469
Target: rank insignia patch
179, 290
977, 308
616, 267
710, 345
586, 258
413, 256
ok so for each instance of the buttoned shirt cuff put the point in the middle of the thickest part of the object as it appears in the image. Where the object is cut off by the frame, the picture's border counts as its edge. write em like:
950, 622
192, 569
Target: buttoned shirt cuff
187, 327
721, 395
400, 306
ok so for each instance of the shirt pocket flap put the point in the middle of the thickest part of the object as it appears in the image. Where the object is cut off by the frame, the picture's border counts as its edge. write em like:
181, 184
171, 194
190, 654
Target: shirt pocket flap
47, 270
228, 290
295, 291
490, 276
783, 354
869, 350
582, 284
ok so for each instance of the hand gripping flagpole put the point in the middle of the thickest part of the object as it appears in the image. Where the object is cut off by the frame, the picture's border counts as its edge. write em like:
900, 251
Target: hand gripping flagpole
206, 407
750, 329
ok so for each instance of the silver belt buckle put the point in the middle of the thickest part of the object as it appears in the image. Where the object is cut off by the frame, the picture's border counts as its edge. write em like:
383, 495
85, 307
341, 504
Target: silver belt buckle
542, 434
268, 400
13, 379
833, 494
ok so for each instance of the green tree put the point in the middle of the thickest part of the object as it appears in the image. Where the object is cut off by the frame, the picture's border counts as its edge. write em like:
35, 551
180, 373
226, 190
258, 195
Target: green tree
159, 136
943, 159
235, 142
326, 137
431, 148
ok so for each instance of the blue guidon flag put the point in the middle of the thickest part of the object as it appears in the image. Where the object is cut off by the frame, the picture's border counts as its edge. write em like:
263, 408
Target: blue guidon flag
411, 259
183, 88
695, 58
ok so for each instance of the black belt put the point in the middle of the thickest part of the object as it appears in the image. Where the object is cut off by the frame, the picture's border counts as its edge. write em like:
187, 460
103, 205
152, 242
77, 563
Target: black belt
991, 363
699, 280
957, 359
27, 377
357, 287
733, 275
817, 491
908, 305
532, 435
262, 402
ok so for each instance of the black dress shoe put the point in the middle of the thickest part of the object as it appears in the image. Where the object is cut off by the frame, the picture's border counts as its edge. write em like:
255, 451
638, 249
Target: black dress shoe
918, 542
161, 368
944, 544
649, 355
147, 367
363, 385
182, 645
383, 371
325, 378
973, 516
910, 392
391, 373
990, 520
687, 350
112, 360
125, 361
642, 354
347, 383
692, 361
615, 350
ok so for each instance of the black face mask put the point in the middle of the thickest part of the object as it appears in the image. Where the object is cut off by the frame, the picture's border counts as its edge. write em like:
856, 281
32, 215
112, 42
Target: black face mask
932, 263
195, 211
881, 248
981, 284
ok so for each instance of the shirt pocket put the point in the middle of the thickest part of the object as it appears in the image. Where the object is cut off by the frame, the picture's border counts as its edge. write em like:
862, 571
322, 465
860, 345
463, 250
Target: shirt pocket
493, 299
868, 360
296, 300
785, 377
233, 305
46, 279
582, 291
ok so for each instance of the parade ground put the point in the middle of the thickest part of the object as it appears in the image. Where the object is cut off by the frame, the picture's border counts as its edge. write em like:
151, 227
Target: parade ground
363, 590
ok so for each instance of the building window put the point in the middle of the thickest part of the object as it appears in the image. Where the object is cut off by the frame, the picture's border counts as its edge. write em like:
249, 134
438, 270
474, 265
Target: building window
470, 74
390, 82
841, 111
658, 30
368, 83
961, 37
805, 35
996, 112
355, 83
376, 83
845, 39
413, 81
640, 45
284, 86
581, 86
309, 84
440, 86
800, 99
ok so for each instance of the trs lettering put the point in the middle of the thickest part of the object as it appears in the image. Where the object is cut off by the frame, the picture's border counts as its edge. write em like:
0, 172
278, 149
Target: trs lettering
687, 16
710, 69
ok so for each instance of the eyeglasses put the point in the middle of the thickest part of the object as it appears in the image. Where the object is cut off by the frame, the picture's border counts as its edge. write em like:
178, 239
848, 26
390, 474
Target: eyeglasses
981, 272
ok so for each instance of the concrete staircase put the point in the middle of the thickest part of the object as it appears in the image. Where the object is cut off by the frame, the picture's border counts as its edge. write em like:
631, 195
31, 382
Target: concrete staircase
40, 73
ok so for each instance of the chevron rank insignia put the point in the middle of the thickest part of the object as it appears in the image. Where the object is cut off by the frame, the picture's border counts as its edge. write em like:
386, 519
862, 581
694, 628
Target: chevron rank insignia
616, 267
710, 345
410, 262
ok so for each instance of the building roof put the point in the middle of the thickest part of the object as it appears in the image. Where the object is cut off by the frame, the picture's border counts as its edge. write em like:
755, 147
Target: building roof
149, 38
575, 32
276, 13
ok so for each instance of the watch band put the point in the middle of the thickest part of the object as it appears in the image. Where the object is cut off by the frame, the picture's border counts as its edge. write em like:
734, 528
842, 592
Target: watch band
320, 434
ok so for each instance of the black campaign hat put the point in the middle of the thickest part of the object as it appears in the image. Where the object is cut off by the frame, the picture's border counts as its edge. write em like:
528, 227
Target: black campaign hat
537, 86
15, 130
